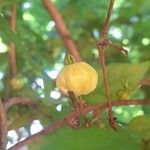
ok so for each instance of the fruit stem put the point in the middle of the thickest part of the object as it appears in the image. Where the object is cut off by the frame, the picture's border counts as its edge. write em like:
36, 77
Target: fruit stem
74, 102
80, 98
69, 59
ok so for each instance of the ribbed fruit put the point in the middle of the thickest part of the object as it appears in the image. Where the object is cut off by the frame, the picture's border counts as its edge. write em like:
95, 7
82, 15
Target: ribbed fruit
79, 77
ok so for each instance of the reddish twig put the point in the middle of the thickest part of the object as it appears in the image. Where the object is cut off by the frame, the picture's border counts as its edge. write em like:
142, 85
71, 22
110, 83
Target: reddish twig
3, 127
106, 84
116, 103
118, 47
34, 137
107, 21
102, 44
62, 29
24, 101
17, 101
12, 52
145, 82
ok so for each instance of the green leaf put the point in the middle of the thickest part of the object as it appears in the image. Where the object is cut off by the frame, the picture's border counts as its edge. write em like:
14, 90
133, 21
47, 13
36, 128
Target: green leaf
86, 139
132, 72
117, 73
140, 126
21, 120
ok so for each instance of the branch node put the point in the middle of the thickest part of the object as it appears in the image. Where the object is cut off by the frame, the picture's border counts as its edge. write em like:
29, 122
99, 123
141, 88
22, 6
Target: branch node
104, 41
118, 47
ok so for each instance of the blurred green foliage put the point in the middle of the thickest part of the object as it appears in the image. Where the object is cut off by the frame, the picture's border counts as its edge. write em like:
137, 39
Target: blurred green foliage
40, 53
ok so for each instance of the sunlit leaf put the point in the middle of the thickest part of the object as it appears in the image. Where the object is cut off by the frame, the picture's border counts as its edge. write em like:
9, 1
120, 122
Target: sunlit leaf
117, 73
140, 126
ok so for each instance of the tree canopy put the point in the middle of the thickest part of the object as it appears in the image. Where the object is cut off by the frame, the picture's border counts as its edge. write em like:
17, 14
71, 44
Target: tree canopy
32, 53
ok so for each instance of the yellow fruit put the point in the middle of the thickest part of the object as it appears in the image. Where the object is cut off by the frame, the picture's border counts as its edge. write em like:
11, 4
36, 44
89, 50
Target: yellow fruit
79, 77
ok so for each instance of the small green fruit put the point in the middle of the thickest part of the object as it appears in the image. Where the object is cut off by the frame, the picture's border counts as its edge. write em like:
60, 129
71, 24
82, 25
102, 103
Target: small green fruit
18, 82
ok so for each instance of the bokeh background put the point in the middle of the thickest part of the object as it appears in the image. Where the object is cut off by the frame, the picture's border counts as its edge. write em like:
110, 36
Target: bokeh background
40, 55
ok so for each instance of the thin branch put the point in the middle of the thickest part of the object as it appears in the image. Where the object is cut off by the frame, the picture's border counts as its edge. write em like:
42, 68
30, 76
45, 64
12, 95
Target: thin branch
145, 82
24, 101
34, 137
106, 84
107, 22
62, 29
118, 47
87, 109
12, 52
102, 44
3, 127
115, 103
131, 102
17, 101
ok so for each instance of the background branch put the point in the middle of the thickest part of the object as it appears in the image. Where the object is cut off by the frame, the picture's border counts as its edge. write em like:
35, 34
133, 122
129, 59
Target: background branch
17, 101
12, 52
3, 127
24, 101
62, 29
